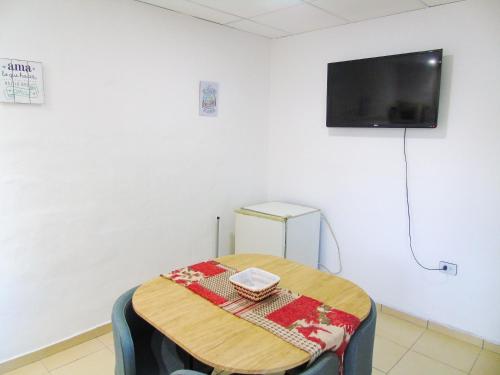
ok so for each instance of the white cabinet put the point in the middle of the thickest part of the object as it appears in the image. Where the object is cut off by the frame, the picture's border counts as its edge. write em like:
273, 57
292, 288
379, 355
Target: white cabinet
280, 229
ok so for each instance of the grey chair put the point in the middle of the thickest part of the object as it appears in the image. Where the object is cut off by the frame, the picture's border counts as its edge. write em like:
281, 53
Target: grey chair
357, 359
139, 348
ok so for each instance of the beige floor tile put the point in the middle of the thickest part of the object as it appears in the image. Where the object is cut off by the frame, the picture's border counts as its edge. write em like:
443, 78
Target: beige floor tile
443, 348
455, 334
35, 368
492, 347
377, 372
418, 364
99, 363
403, 316
107, 340
400, 331
488, 363
72, 354
386, 353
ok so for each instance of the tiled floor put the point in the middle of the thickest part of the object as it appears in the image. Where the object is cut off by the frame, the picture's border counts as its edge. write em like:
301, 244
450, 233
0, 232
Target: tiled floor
401, 348
404, 348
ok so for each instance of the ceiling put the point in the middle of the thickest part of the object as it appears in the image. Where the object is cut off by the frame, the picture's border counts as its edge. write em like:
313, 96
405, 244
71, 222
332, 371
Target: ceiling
280, 18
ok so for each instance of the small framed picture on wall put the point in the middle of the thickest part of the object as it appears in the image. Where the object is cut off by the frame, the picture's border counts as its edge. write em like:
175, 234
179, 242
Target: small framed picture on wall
21, 81
209, 98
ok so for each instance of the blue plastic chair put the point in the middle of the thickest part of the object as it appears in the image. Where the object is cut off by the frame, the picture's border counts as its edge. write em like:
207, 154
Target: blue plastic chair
139, 348
357, 359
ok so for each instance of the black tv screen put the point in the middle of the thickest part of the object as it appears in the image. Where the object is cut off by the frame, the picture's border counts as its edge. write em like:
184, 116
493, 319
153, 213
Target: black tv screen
398, 91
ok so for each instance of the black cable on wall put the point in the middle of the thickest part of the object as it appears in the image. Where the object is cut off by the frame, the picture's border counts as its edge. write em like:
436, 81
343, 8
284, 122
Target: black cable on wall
408, 210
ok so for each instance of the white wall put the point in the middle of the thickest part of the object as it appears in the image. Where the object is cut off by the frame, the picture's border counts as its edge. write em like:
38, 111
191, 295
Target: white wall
356, 175
116, 178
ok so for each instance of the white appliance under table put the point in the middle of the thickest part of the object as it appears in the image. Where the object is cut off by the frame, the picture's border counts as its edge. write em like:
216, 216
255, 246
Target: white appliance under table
280, 229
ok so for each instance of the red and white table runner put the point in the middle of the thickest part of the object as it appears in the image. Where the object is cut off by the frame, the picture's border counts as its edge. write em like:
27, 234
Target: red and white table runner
302, 321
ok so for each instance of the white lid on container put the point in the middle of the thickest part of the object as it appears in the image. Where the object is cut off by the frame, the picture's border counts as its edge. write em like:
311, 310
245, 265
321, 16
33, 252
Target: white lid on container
280, 209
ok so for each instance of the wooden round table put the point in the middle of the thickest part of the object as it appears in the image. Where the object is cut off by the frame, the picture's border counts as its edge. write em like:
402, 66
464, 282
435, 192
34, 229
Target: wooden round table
227, 342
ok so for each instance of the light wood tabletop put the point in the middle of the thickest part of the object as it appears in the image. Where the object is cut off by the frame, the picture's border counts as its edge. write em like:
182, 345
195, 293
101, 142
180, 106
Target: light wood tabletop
227, 342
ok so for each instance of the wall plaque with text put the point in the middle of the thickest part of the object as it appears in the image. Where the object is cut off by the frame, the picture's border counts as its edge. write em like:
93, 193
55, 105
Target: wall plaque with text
21, 81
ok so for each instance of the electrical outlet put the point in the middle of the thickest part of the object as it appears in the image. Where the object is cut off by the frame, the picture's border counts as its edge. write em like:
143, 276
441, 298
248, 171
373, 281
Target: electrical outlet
449, 268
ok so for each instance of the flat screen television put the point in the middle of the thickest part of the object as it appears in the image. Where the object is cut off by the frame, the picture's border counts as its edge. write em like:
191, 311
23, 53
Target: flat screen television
398, 91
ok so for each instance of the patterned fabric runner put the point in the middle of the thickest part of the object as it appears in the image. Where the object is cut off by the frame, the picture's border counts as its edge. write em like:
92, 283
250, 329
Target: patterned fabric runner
302, 321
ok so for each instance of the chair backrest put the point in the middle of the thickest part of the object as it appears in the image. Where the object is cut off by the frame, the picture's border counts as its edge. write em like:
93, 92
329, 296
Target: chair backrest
359, 354
326, 364
124, 344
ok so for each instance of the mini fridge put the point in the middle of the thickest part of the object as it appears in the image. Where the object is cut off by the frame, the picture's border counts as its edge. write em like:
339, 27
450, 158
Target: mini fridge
280, 229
